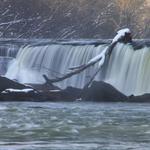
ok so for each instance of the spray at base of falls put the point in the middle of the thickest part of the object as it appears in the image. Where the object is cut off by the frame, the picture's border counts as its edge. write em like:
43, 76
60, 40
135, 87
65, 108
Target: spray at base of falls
127, 70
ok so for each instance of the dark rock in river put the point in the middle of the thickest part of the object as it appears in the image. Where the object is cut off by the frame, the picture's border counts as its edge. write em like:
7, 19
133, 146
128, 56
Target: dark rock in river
98, 92
103, 92
6, 83
145, 98
71, 93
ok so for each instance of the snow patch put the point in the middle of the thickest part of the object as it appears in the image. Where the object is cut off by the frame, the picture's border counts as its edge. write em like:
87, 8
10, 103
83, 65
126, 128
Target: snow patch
54, 90
120, 34
18, 91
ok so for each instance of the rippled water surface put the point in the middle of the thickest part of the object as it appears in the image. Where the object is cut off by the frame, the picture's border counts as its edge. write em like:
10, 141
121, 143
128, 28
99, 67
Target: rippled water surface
74, 126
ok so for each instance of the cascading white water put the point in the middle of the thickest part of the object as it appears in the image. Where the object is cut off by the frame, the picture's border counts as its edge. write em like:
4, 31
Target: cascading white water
8, 50
53, 60
127, 69
7, 53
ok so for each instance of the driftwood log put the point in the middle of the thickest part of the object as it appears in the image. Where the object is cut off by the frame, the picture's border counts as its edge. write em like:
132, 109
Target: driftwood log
79, 69
125, 38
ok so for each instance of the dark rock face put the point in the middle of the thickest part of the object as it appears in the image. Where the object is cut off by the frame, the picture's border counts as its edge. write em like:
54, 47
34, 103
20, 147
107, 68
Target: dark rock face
103, 92
98, 92
127, 38
6, 83
15, 96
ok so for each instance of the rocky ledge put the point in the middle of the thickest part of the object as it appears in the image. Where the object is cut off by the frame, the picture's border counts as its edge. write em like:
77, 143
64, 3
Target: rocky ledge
98, 92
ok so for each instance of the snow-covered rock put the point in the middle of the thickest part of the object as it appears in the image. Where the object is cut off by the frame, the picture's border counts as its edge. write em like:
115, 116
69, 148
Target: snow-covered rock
101, 56
121, 33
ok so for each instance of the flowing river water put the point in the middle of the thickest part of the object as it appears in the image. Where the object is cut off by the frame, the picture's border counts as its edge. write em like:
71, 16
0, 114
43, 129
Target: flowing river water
74, 126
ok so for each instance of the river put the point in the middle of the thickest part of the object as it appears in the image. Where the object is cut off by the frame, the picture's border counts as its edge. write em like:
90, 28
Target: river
74, 126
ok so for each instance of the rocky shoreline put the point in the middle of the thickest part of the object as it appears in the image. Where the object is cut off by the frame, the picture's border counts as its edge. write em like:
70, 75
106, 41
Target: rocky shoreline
99, 91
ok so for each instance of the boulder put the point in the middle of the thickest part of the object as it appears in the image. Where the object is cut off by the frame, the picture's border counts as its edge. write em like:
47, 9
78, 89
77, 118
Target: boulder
6, 83
103, 92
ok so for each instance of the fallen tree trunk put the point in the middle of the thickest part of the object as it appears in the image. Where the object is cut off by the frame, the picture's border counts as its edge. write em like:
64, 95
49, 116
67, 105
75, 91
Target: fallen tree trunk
79, 69
122, 36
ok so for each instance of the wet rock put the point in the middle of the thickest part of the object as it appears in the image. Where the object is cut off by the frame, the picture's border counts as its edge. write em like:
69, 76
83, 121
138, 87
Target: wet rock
97, 92
145, 98
103, 92
127, 38
71, 93
6, 83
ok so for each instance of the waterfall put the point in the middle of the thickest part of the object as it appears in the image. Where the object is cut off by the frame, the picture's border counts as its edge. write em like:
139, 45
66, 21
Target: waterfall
9, 50
127, 69
52, 60
7, 53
